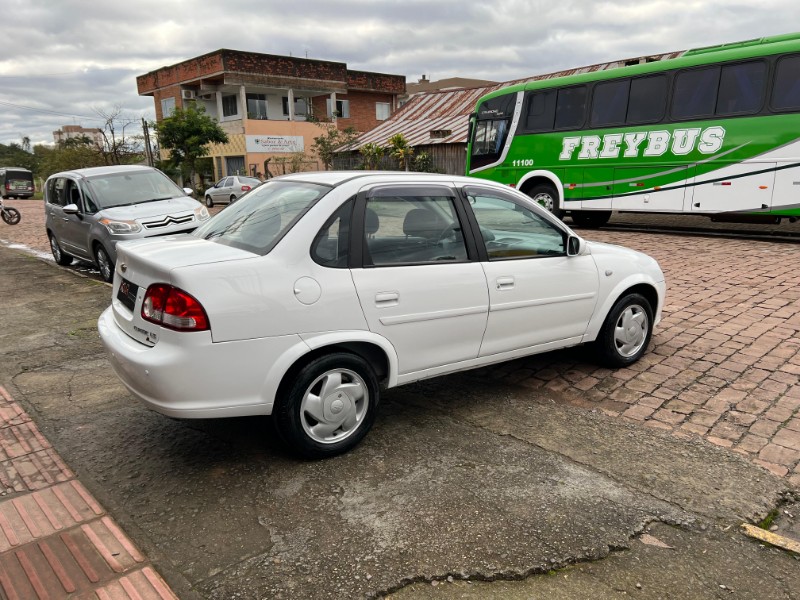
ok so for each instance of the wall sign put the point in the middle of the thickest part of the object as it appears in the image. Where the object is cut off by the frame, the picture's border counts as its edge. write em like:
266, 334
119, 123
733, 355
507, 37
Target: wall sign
275, 143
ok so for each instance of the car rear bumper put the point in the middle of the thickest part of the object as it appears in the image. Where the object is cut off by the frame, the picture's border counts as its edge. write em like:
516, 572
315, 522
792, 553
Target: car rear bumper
197, 378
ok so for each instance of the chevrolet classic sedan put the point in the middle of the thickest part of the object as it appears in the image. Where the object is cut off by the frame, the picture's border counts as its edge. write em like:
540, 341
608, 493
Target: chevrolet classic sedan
315, 291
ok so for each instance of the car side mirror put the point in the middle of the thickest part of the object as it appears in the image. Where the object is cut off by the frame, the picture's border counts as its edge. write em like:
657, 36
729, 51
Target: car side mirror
71, 209
188, 191
574, 245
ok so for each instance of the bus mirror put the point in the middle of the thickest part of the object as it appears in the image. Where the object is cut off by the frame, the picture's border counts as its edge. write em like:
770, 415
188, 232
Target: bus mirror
574, 245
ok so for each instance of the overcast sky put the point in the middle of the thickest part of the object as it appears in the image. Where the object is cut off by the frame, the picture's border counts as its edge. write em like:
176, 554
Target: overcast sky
63, 60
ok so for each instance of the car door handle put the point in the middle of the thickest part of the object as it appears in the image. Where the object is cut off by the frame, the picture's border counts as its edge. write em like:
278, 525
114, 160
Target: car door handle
504, 283
383, 299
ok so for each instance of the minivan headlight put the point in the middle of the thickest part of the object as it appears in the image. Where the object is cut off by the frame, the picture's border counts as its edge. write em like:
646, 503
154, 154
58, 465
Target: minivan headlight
201, 214
118, 227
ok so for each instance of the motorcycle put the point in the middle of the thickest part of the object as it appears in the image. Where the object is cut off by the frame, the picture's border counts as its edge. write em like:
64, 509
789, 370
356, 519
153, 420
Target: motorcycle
9, 215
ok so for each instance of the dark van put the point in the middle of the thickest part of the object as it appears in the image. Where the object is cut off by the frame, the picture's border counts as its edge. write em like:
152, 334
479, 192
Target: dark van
16, 182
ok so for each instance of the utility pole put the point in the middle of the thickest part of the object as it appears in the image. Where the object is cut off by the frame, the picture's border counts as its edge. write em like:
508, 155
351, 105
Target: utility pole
148, 148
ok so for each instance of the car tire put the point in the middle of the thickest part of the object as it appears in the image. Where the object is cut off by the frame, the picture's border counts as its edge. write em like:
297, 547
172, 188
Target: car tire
626, 331
209, 202
546, 196
61, 257
590, 218
328, 406
232, 199
104, 263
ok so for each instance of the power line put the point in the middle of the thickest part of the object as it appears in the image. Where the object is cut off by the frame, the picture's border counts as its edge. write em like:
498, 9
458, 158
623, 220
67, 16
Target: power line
51, 112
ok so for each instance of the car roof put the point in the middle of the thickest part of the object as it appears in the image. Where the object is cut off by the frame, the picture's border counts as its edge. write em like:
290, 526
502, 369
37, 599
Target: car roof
335, 178
110, 170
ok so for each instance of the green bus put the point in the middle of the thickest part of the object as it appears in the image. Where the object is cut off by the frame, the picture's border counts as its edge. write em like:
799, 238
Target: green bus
714, 132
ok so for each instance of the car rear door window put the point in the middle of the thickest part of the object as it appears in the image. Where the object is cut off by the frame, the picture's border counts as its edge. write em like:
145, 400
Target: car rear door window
412, 229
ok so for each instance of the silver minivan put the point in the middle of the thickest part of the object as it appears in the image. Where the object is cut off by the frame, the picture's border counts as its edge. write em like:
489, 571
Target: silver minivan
88, 211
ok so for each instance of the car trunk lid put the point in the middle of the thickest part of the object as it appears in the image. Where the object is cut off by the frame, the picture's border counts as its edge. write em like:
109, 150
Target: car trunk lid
141, 263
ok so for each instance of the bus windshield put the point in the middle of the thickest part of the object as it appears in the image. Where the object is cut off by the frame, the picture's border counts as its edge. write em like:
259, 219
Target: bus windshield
490, 131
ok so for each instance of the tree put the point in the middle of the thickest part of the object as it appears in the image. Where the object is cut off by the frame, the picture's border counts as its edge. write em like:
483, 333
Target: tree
372, 154
399, 149
186, 135
70, 154
331, 142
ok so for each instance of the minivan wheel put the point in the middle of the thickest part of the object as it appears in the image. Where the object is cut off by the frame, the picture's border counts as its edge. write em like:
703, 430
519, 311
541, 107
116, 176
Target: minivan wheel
209, 202
626, 331
330, 405
59, 255
104, 263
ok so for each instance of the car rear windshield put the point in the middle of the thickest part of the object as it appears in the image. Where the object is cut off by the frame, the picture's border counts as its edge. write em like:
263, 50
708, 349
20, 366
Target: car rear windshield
132, 187
261, 218
19, 175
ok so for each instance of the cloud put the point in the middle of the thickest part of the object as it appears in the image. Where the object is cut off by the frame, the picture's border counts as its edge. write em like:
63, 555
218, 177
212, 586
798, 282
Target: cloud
77, 56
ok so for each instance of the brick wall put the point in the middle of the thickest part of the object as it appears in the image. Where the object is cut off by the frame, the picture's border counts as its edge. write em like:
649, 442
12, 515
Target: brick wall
362, 110
364, 80
283, 66
202, 66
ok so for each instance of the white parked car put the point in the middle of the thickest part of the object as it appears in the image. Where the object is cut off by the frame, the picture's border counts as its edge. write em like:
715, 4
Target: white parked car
229, 189
316, 290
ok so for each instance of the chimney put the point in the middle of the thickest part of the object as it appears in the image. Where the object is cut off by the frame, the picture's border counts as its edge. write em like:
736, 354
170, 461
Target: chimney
424, 79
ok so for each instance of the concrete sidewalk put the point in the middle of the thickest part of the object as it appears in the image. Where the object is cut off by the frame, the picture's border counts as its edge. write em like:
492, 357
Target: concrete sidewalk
56, 541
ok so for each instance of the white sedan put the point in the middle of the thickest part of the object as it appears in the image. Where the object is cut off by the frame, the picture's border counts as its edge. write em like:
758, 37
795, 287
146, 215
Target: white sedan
316, 290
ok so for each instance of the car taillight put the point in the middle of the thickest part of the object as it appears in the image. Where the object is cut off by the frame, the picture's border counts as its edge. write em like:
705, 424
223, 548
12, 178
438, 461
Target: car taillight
173, 308
245, 188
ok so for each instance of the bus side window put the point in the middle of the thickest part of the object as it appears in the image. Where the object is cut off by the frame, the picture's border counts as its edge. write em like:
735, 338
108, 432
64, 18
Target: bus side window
541, 111
610, 103
741, 88
786, 89
695, 93
647, 102
571, 107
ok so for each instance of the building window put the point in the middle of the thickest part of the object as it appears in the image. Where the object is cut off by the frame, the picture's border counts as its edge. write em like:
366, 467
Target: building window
230, 108
300, 107
167, 107
382, 110
256, 106
342, 108
440, 134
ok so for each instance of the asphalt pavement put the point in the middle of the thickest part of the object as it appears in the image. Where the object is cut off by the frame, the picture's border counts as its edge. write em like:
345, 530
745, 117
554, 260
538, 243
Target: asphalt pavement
468, 486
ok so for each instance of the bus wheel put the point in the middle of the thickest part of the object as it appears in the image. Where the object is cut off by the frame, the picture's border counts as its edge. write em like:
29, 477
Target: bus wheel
547, 196
590, 218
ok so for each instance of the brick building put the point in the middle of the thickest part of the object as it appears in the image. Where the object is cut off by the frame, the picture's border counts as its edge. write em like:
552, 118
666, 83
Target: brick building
263, 102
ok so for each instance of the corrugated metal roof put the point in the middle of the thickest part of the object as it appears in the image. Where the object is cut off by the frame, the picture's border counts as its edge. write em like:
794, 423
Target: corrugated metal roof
449, 110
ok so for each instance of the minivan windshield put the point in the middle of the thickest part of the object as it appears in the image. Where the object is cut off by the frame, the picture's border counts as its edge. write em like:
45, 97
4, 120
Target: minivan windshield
257, 221
132, 187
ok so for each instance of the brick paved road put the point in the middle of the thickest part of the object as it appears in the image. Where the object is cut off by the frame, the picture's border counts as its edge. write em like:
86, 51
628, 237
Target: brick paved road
724, 364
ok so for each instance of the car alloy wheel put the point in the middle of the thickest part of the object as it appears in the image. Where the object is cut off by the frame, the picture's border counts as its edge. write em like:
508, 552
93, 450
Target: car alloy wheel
104, 264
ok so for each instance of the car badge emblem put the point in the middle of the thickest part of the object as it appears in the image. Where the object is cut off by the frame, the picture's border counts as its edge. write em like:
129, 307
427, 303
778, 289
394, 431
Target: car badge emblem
123, 267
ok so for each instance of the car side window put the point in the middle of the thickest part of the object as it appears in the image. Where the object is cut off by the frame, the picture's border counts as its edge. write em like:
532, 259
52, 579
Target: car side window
331, 245
403, 230
72, 194
58, 191
512, 231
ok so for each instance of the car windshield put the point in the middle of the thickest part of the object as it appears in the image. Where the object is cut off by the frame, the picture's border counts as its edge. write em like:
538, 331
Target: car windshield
262, 217
132, 187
